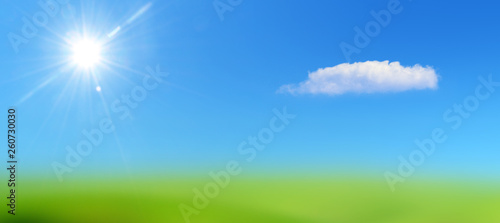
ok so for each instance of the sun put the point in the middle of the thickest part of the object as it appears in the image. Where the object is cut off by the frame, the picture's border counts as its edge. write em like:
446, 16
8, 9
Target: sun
86, 53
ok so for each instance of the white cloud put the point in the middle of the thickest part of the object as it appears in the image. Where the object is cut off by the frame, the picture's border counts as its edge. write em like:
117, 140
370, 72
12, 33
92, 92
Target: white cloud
365, 77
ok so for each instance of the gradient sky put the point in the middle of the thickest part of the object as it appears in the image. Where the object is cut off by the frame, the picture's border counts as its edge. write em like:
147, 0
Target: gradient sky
223, 81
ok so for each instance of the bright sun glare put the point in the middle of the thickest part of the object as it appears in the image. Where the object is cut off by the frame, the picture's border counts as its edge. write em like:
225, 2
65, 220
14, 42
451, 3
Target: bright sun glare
86, 53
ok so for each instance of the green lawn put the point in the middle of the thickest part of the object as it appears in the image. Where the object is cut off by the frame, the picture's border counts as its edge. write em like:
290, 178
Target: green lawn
257, 200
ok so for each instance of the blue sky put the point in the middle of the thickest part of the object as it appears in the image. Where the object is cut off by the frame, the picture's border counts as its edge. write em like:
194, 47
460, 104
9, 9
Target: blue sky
223, 82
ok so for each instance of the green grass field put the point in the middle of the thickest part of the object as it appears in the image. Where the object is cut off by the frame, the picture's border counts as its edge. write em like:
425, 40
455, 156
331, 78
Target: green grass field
256, 200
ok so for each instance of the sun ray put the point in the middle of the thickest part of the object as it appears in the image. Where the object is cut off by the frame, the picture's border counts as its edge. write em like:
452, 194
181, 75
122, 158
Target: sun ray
37, 71
38, 88
54, 107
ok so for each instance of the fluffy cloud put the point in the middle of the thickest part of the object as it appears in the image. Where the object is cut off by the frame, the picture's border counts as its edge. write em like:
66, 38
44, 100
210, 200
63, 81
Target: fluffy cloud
365, 77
